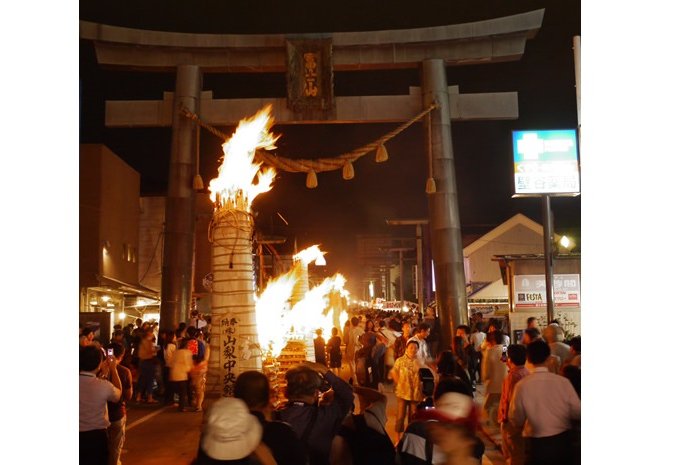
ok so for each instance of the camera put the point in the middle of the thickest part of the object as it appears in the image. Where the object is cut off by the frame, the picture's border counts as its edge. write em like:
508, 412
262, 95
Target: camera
504, 354
110, 352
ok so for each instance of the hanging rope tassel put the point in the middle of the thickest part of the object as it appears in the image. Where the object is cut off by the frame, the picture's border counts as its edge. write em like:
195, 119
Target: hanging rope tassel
347, 171
430, 182
311, 180
381, 154
198, 183
430, 186
198, 180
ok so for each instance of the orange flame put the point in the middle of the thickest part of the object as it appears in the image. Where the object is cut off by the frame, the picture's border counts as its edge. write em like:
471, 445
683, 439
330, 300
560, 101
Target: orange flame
277, 322
235, 185
309, 255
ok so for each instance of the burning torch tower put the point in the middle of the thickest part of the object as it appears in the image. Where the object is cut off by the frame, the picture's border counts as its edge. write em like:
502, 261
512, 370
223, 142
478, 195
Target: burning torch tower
234, 337
301, 263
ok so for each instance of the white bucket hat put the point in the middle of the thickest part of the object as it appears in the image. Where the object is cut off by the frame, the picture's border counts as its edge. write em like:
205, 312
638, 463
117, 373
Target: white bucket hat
230, 432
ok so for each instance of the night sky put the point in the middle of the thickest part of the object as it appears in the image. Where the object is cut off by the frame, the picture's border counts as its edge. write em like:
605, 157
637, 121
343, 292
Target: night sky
336, 210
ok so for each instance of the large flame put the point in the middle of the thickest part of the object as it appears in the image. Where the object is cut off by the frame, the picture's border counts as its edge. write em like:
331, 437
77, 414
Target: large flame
235, 184
277, 322
309, 255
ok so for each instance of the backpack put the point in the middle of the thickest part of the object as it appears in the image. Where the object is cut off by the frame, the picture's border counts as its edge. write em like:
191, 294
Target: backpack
368, 447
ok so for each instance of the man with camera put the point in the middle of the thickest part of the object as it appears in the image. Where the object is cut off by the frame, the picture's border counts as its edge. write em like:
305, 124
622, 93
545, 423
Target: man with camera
94, 394
318, 401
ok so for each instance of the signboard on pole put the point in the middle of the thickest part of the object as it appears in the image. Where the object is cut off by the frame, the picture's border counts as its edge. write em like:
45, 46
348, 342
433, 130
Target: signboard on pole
546, 162
529, 290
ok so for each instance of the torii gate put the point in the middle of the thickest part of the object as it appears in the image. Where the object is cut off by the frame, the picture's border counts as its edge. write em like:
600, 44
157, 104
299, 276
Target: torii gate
431, 49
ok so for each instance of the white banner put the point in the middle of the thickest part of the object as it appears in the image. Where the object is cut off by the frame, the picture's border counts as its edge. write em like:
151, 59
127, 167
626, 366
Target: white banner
530, 291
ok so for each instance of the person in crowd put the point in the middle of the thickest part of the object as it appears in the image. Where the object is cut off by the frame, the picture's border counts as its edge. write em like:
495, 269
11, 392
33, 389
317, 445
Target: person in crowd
346, 330
573, 374
231, 435
377, 364
117, 410
448, 365
180, 332
94, 393
315, 419
407, 384
320, 348
495, 324
181, 364
530, 335
199, 371
453, 432
417, 445
147, 364
388, 338
574, 358
362, 359
362, 438
554, 336
119, 336
334, 352
477, 339
197, 320
433, 338
544, 405
254, 389
494, 371
370, 326
465, 354
421, 335
400, 344
169, 347
87, 337
353, 345
532, 323
511, 439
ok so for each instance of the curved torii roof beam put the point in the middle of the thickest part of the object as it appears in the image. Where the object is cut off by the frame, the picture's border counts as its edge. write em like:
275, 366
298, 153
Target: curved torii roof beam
493, 40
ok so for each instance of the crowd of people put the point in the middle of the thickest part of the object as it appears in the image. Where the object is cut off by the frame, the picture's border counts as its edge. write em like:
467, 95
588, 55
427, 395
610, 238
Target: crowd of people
531, 393
145, 365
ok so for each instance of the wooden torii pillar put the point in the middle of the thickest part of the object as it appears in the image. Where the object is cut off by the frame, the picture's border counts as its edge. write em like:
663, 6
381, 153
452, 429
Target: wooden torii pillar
431, 49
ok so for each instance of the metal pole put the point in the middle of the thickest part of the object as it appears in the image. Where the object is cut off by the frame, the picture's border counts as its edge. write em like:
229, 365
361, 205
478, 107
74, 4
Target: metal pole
548, 230
178, 253
401, 276
443, 205
577, 74
419, 269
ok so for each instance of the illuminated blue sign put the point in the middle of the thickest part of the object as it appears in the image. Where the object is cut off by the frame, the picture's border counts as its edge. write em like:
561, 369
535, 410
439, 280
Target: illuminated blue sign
546, 162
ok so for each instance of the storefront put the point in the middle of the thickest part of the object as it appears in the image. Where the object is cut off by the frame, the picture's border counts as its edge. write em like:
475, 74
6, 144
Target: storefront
525, 276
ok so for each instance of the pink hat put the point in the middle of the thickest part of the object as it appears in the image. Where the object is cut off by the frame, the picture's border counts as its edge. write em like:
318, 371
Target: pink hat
454, 408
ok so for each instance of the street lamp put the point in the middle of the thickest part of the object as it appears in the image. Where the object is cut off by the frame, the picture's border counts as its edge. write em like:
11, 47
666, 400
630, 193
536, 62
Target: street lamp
567, 243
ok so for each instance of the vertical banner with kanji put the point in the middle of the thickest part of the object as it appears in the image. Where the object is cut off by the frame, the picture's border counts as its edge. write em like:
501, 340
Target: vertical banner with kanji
310, 77
228, 340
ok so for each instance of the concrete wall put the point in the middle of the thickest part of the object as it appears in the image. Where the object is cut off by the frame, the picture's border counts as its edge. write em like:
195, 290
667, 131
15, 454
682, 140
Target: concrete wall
152, 219
109, 210
151, 228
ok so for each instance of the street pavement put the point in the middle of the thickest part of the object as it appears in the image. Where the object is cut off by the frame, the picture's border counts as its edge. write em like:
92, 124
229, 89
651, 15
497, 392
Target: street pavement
159, 434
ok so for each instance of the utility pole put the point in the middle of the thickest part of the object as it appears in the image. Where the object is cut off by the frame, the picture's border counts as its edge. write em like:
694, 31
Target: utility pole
419, 223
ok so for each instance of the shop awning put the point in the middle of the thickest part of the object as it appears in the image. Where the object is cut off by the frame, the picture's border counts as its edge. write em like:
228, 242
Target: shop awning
493, 292
127, 288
